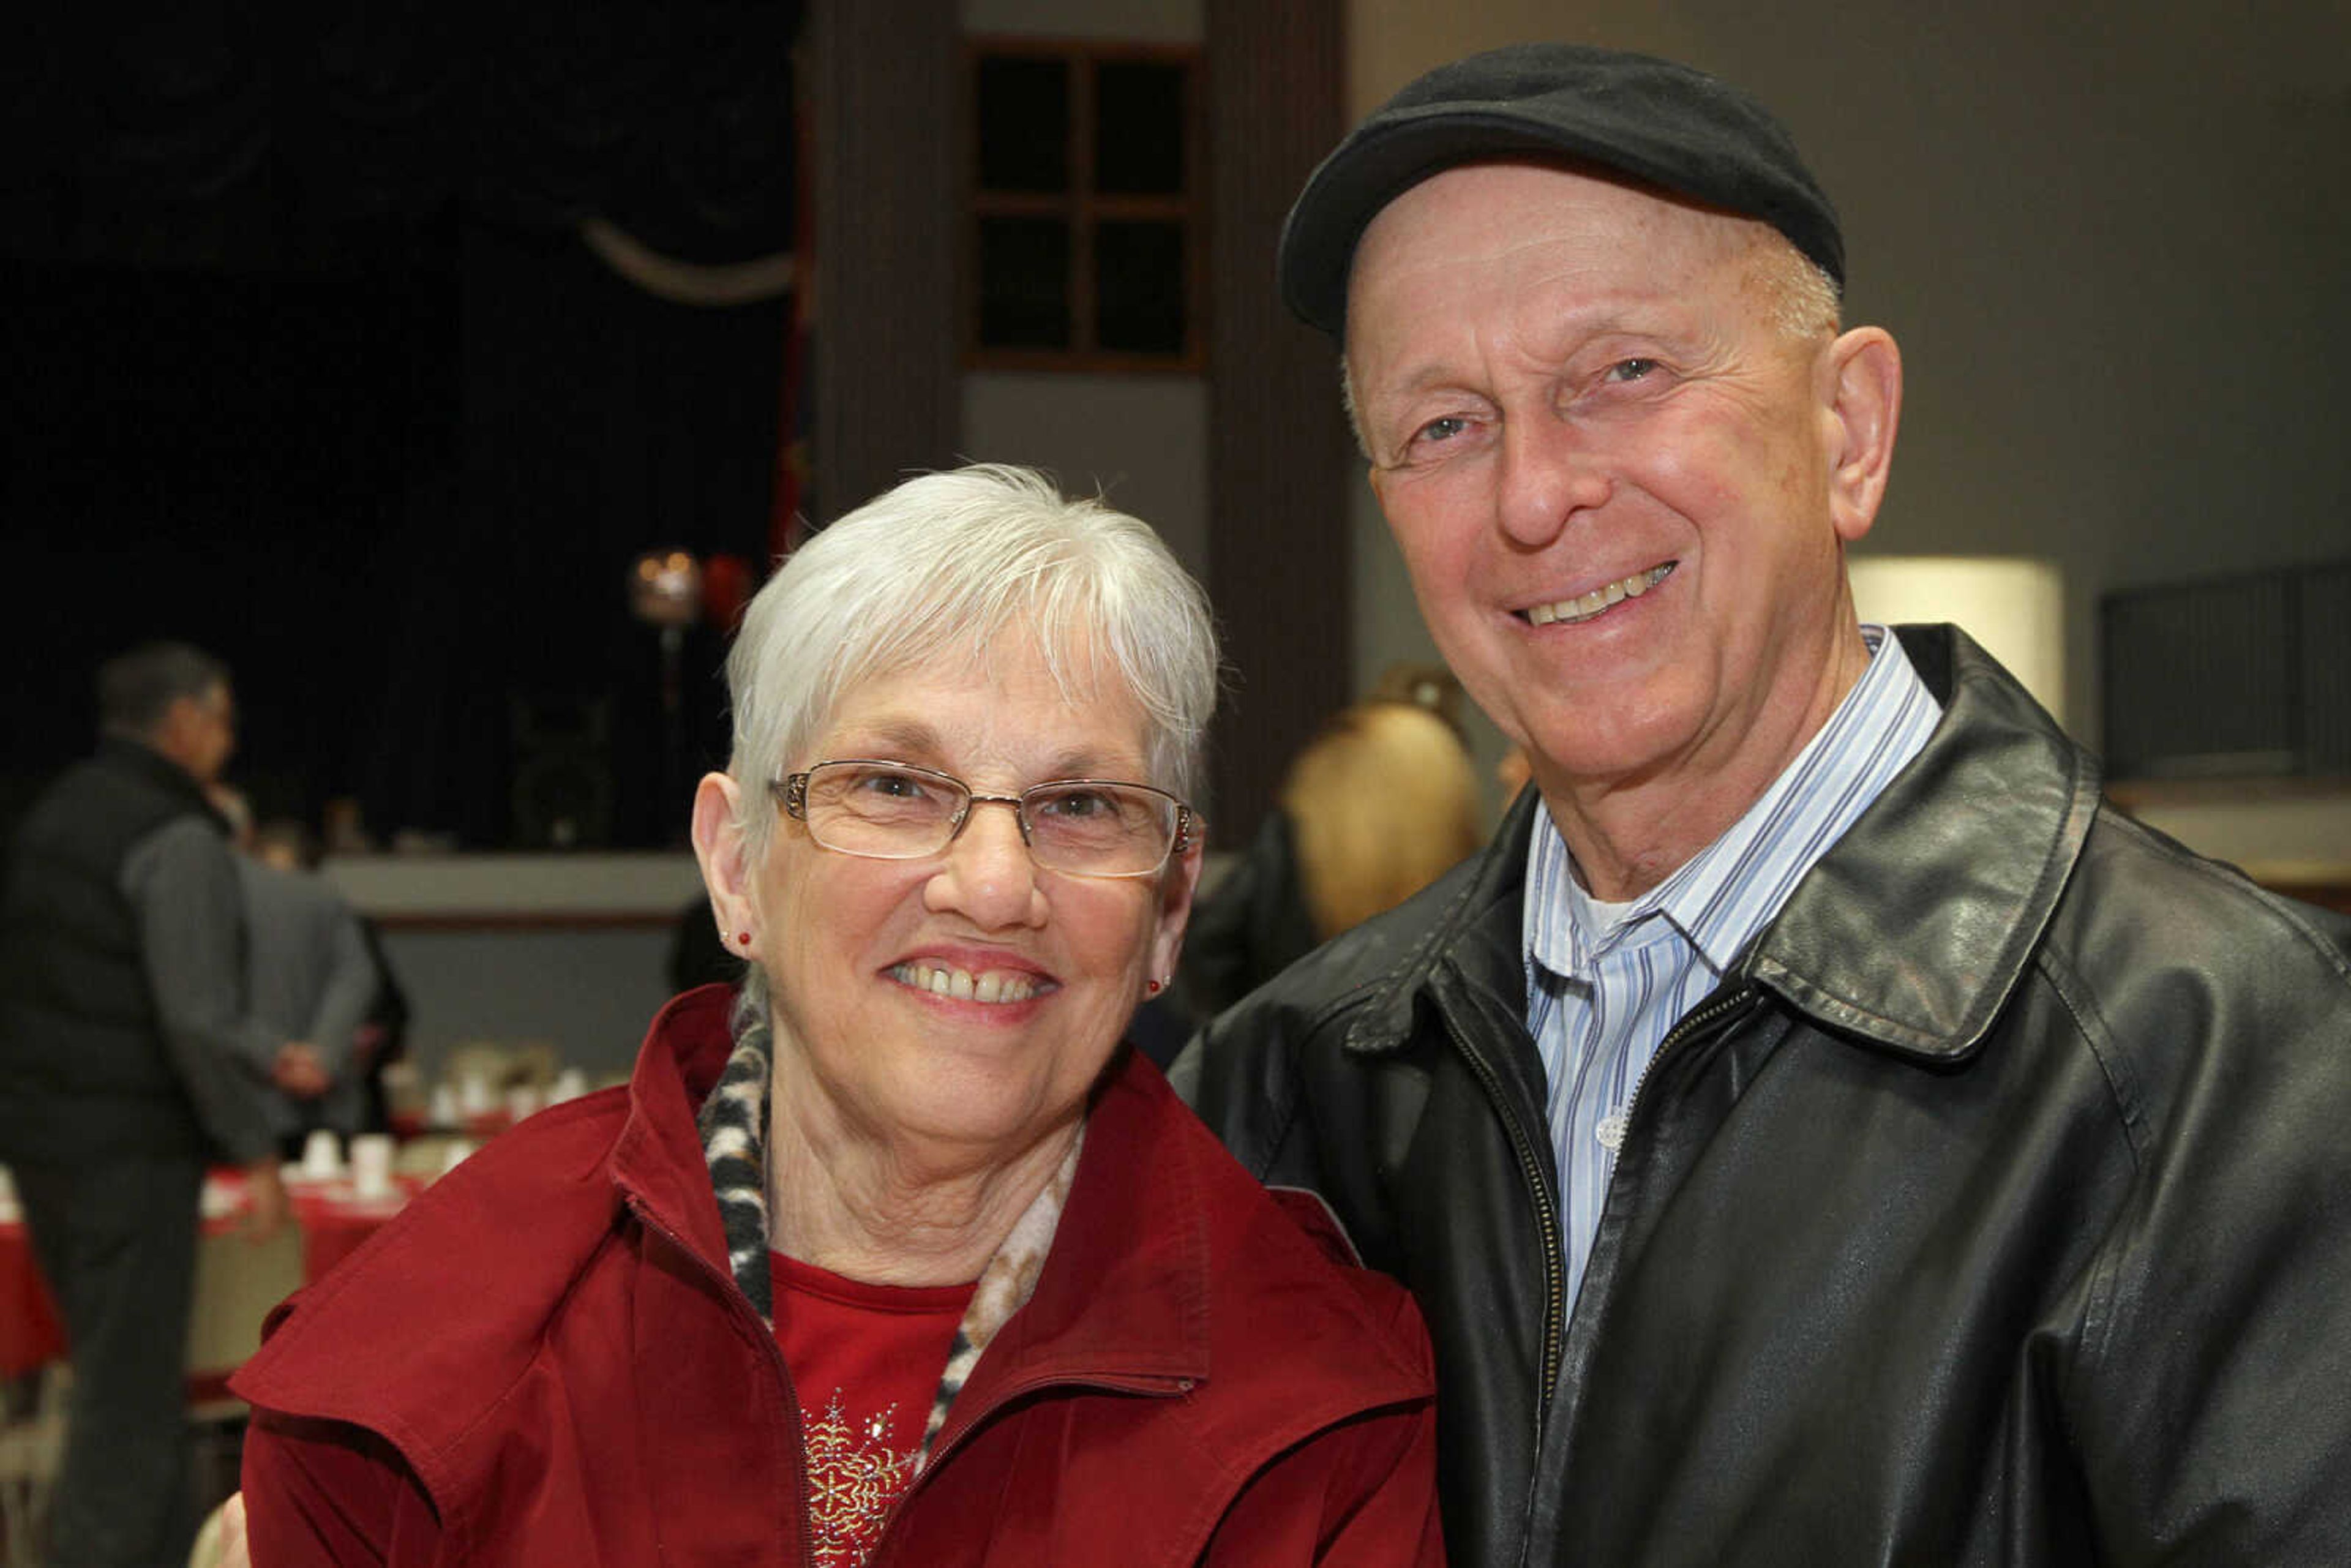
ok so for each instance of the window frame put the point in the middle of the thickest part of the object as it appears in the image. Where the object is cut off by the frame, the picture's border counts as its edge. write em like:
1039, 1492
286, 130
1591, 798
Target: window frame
1083, 208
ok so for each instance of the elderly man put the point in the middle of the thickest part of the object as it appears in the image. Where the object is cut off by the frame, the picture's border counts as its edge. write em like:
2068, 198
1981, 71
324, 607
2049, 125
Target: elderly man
1818, 1131
121, 1012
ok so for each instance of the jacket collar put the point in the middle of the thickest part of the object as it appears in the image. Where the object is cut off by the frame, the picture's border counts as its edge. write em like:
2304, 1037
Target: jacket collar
1124, 1296
1912, 931
1129, 1299
1126, 1292
1467, 957
126, 755
1133, 1300
657, 1162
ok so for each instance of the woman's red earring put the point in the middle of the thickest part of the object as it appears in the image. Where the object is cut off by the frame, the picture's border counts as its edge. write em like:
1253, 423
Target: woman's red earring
742, 938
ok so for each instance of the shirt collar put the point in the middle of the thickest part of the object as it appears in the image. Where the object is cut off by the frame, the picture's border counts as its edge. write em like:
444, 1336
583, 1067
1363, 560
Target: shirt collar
1569, 931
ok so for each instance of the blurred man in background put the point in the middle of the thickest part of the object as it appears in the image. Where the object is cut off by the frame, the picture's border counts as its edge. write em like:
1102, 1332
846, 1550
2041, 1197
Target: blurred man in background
122, 1014
309, 977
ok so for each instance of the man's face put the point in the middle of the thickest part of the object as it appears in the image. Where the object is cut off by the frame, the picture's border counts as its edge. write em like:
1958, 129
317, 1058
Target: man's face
1608, 467
200, 732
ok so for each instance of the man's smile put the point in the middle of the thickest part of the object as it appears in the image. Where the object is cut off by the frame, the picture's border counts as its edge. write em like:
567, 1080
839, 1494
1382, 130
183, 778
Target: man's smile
1586, 606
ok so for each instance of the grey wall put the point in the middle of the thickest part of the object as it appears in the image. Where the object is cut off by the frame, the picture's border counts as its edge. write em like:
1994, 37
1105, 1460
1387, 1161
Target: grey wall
1140, 440
588, 993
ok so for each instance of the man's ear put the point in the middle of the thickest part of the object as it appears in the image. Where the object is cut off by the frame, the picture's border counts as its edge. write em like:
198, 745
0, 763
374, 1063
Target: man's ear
1863, 375
718, 846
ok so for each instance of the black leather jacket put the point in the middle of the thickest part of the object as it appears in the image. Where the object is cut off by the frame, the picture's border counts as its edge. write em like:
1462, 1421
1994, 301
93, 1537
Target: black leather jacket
1997, 1209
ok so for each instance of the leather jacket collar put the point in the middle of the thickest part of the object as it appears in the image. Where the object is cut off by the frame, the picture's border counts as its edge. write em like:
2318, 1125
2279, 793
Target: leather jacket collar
1950, 880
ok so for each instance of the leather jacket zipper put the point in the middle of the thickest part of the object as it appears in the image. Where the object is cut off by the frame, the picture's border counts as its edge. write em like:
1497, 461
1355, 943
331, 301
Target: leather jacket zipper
1703, 1017
1546, 1211
1555, 1334
1707, 1013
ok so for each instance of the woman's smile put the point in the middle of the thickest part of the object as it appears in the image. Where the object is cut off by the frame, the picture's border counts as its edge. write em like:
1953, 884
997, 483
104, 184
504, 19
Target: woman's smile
993, 986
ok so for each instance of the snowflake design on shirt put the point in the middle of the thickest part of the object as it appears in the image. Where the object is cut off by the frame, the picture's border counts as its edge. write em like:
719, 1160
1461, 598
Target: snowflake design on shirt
854, 1477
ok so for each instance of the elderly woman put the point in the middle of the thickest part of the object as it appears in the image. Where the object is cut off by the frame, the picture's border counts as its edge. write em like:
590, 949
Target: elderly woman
899, 1256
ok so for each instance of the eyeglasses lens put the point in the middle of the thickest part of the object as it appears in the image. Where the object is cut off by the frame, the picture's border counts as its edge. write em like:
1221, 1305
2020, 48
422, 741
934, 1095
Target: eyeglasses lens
898, 812
1100, 830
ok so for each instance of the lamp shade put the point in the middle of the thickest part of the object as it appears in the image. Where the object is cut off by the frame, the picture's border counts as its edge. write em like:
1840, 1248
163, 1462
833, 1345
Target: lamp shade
2013, 605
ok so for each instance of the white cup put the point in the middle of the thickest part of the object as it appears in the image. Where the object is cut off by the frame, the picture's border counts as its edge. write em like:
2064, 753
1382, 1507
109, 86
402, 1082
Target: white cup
322, 1155
444, 1105
570, 1084
371, 1164
523, 1101
474, 1095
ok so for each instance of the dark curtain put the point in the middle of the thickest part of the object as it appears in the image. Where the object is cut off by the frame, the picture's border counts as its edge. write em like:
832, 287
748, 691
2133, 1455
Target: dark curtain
252, 133
308, 364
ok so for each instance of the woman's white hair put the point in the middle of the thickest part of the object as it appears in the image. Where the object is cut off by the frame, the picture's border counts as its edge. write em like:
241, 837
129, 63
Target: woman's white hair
940, 568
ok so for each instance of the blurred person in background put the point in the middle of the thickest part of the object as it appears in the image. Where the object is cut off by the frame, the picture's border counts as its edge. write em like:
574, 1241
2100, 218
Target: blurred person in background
122, 1019
898, 1256
1377, 806
309, 976
383, 1033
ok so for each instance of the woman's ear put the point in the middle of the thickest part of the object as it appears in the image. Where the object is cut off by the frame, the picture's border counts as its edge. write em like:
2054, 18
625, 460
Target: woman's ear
718, 846
1176, 886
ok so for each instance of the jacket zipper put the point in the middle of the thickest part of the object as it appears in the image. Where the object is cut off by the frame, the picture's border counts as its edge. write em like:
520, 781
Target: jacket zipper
1546, 1211
1555, 1334
1706, 1014
732, 1293
952, 1435
1703, 1017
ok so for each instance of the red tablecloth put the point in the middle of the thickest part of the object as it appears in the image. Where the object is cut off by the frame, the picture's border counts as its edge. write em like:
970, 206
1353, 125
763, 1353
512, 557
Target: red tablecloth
30, 1334
334, 1220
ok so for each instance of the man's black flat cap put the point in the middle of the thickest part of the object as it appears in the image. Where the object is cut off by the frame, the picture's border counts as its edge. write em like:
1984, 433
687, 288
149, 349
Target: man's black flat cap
1659, 123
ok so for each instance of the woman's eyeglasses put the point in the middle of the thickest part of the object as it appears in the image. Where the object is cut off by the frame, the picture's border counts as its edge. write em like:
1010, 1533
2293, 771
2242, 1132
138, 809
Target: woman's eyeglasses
895, 810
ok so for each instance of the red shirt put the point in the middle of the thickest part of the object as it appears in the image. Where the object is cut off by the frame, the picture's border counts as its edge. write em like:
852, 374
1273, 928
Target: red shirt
865, 1361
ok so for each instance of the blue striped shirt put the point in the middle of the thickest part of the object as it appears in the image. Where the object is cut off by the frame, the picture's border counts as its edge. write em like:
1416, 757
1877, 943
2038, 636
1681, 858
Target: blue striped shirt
1607, 982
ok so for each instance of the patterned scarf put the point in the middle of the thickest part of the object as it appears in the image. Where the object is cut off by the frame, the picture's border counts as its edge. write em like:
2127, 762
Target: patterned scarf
734, 1126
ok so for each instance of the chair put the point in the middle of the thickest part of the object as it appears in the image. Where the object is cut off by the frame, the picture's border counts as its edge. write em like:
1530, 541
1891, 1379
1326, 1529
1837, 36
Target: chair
222, 1528
31, 1442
